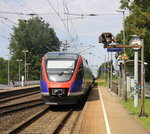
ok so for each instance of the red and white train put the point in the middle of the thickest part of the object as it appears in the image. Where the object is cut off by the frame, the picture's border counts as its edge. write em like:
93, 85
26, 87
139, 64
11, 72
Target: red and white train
65, 78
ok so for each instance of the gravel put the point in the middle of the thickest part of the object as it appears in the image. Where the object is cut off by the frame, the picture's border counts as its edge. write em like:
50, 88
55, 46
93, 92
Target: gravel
10, 122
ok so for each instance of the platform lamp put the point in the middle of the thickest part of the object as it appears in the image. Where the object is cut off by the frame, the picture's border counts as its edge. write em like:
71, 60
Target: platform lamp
19, 60
25, 51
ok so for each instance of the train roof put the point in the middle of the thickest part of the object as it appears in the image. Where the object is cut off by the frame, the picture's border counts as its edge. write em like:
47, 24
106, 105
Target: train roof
61, 55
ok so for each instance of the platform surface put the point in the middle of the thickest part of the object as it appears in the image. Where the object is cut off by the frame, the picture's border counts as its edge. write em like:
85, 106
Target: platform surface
103, 114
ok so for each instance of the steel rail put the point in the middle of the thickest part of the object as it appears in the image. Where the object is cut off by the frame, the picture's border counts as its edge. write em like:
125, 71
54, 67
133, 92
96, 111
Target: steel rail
28, 122
17, 104
15, 109
17, 97
62, 122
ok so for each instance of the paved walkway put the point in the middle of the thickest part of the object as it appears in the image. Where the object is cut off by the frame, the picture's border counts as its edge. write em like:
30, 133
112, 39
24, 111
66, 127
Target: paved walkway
103, 114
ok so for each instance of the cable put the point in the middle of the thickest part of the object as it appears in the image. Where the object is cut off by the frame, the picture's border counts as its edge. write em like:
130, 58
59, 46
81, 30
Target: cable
8, 20
4, 12
72, 25
58, 16
12, 8
4, 37
28, 6
5, 23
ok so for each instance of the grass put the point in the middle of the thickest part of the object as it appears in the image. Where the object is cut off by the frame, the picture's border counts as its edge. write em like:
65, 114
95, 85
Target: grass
129, 105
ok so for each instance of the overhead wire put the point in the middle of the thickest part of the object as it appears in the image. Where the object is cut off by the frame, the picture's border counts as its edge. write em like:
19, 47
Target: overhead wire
65, 9
5, 12
72, 25
17, 13
5, 23
28, 6
12, 8
59, 17
8, 20
4, 37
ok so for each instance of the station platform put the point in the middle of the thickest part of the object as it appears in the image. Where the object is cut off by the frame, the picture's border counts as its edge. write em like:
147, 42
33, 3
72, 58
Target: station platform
103, 114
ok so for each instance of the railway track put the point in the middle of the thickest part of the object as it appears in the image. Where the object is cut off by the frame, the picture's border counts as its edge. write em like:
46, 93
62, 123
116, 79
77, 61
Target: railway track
62, 122
54, 120
19, 106
18, 97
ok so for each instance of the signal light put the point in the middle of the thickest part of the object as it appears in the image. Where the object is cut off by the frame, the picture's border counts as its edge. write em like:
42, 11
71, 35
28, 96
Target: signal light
106, 38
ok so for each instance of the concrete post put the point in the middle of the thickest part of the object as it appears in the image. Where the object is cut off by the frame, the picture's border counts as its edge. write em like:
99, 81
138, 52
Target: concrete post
22, 81
135, 78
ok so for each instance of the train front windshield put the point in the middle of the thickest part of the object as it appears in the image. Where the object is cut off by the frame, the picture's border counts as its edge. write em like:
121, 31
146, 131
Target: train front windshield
60, 70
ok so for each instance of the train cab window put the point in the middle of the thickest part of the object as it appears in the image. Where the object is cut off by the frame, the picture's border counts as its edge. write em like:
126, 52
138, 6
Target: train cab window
60, 70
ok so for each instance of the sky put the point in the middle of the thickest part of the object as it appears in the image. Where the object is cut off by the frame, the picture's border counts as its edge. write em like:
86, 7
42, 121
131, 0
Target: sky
71, 21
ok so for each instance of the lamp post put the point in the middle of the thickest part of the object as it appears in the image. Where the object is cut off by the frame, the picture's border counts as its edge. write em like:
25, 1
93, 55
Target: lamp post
8, 70
19, 60
104, 66
25, 67
28, 64
123, 13
142, 113
124, 76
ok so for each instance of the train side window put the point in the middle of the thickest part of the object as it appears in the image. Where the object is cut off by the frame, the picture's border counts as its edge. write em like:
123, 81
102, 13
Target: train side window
80, 73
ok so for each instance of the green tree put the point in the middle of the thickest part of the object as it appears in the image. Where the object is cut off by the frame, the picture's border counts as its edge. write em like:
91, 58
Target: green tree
38, 38
104, 68
137, 23
3, 71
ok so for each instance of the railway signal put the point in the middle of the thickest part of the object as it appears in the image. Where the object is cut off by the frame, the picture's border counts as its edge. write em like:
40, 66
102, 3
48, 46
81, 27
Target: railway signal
106, 38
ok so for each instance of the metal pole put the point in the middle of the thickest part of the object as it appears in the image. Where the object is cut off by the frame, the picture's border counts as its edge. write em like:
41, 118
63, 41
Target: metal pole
19, 60
27, 71
142, 82
124, 76
111, 72
119, 88
8, 71
28, 64
123, 28
104, 69
19, 71
135, 78
25, 51
124, 43
25, 68
108, 73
